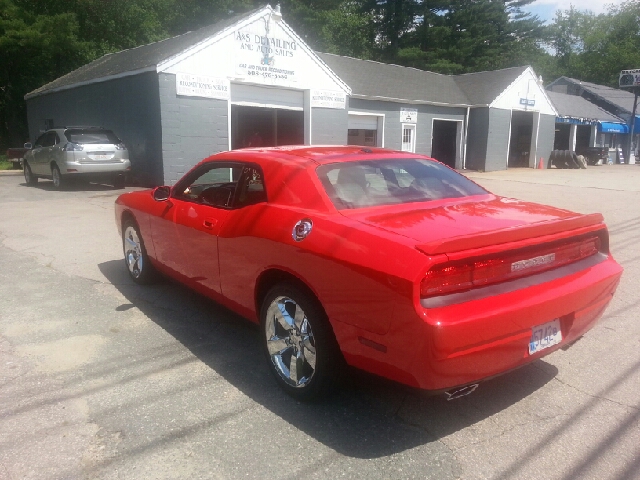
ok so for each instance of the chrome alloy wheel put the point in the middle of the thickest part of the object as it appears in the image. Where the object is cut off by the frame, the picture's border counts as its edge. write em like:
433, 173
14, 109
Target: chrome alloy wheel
133, 252
290, 342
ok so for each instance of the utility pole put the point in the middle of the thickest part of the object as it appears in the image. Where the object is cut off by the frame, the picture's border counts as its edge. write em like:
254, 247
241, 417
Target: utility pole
633, 120
630, 79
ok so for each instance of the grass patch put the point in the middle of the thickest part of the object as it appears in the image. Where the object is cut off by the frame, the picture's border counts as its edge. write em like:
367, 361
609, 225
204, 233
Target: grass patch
5, 164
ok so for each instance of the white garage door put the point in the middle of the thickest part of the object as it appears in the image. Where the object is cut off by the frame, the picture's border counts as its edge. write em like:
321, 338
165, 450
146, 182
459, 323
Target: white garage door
253, 96
363, 122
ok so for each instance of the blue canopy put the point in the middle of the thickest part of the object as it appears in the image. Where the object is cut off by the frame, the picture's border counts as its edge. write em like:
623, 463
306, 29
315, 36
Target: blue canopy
611, 127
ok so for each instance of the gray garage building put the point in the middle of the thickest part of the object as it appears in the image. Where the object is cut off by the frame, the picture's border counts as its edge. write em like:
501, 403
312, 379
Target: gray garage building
252, 81
481, 121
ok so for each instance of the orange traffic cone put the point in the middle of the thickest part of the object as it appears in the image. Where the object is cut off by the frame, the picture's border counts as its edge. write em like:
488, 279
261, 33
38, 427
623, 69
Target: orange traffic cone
541, 163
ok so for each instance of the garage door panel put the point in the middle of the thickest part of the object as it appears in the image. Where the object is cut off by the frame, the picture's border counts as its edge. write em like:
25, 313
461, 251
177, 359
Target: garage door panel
252, 95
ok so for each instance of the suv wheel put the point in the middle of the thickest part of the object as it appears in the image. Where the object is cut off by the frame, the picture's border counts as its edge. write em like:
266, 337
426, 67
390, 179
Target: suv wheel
56, 176
29, 178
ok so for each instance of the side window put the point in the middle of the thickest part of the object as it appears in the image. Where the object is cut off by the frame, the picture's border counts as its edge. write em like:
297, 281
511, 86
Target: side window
251, 189
49, 139
40, 141
213, 185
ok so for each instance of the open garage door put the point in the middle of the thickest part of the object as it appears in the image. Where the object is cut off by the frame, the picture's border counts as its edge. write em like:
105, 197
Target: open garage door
266, 117
445, 139
365, 130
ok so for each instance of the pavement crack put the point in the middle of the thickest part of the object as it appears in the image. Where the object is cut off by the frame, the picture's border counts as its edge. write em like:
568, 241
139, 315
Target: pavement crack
599, 397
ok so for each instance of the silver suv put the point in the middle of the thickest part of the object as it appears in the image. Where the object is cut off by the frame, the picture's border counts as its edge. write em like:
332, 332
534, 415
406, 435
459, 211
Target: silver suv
67, 153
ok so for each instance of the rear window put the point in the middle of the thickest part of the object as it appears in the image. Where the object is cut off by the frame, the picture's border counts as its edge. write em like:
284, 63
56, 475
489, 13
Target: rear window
392, 181
84, 137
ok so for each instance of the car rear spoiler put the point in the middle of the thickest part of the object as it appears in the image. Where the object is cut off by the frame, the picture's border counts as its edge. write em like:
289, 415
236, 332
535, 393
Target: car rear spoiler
511, 234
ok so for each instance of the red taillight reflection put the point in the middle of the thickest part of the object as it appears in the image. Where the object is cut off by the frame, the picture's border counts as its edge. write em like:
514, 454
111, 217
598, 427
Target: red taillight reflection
449, 278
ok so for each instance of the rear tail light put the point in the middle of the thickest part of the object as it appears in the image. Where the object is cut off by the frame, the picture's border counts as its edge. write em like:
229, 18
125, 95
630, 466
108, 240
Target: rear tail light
120, 146
461, 276
73, 147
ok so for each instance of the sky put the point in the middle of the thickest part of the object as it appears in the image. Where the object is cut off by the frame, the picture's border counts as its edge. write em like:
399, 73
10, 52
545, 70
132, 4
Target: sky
546, 9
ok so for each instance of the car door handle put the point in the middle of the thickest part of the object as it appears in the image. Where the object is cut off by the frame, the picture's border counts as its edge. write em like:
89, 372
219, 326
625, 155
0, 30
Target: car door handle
209, 222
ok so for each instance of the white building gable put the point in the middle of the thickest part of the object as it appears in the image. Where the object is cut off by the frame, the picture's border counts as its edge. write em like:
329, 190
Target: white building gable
525, 94
260, 50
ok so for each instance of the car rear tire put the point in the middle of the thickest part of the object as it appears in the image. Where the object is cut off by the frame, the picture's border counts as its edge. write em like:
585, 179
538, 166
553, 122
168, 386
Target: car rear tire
135, 255
298, 342
28, 175
56, 176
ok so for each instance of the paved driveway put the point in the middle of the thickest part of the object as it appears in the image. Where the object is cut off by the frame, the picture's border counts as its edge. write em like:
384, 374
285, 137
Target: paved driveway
100, 378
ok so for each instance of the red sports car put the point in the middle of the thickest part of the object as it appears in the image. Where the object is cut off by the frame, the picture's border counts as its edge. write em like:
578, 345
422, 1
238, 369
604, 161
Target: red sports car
388, 261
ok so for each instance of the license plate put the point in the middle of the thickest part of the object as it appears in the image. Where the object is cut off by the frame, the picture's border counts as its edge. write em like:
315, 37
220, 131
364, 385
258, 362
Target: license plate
100, 157
544, 336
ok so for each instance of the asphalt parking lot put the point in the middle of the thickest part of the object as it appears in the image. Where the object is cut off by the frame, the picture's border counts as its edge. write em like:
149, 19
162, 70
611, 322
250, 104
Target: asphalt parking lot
103, 379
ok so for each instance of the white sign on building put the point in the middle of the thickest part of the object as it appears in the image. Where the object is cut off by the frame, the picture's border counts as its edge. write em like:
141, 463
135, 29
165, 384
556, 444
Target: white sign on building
202, 86
408, 115
328, 99
265, 58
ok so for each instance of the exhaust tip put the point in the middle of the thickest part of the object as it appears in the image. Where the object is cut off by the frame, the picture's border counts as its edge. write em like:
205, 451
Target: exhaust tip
460, 392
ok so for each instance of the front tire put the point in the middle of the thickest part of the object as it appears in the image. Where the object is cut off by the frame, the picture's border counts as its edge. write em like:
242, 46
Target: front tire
135, 255
29, 178
298, 342
56, 176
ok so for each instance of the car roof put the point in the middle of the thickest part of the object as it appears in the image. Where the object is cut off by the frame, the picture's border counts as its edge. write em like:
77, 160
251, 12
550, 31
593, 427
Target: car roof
304, 154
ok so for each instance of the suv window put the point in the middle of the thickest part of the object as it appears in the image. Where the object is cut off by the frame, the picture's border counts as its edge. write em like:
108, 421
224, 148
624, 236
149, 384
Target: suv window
86, 136
40, 141
49, 139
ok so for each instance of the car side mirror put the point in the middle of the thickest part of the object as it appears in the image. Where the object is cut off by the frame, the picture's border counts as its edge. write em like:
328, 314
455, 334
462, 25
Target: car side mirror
161, 194
28, 145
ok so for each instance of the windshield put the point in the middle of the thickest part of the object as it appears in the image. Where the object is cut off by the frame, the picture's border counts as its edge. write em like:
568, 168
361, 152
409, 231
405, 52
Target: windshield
392, 181
84, 137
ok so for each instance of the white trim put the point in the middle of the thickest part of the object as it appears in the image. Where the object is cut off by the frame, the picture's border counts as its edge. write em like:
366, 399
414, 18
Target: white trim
370, 114
458, 136
229, 124
537, 117
466, 138
266, 105
380, 126
413, 102
318, 60
506, 165
207, 42
90, 82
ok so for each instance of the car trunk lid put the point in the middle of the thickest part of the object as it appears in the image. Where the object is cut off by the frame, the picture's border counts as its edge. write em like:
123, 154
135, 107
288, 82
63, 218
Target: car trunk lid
454, 225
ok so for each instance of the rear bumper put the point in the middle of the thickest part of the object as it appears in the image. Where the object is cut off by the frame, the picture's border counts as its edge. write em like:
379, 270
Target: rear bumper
460, 343
485, 337
96, 169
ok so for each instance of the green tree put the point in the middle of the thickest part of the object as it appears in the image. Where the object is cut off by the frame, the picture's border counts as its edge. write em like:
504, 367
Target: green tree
593, 47
34, 49
471, 35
